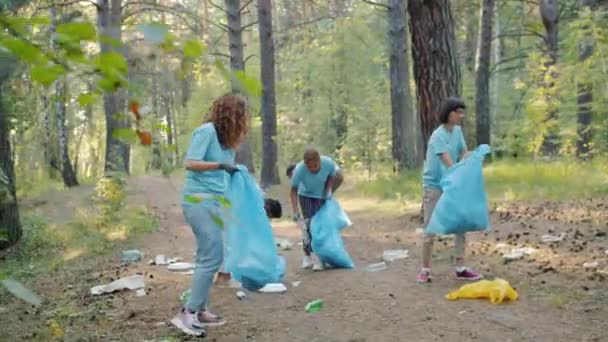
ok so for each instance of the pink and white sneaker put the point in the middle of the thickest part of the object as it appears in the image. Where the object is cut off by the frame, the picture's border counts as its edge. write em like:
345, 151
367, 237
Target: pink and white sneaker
467, 274
207, 319
424, 276
185, 321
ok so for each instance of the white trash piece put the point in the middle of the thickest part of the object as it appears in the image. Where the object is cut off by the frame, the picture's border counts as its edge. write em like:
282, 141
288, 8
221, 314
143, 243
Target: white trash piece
241, 295
161, 260
284, 244
518, 253
140, 293
394, 254
419, 231
174, 260
296, 283
591, 264
381, 266
552, 238
273, 288
180, 267
133, 282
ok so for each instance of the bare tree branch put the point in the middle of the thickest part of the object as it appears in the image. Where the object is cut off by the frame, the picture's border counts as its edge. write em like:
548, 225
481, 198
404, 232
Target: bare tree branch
304, 23
245, 6
218, 7
219, 54
377, 4
243, 28
248, 58
68, 3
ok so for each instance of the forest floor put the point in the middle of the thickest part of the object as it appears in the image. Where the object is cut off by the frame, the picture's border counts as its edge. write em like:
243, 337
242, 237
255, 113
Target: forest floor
559, 300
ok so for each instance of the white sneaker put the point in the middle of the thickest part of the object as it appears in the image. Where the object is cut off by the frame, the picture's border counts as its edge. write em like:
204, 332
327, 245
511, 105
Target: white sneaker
307, 262
184, 321
317, 264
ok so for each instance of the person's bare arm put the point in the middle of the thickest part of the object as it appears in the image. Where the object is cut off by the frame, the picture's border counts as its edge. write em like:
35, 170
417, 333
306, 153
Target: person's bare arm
201, 166
329, 184
447, 160
293, 195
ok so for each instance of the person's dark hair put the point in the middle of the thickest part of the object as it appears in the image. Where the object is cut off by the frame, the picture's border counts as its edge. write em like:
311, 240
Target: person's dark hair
273, 208
230, 117
289, 171
449, 105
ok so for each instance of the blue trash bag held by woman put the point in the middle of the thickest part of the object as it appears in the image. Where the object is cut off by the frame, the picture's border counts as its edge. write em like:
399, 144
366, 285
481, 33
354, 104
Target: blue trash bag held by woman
325, 229
463, 206
252, 254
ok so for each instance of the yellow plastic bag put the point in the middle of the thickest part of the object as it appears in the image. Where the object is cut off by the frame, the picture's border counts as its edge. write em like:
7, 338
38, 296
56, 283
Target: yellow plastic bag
497, 290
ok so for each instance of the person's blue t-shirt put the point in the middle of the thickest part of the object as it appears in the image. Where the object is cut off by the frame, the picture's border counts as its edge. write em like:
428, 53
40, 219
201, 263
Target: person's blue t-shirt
205, 146
441, 141
313, 184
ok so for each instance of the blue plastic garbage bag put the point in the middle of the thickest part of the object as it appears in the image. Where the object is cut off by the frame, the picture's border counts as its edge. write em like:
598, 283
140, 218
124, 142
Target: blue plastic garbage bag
463, 206
251, 252
325, 229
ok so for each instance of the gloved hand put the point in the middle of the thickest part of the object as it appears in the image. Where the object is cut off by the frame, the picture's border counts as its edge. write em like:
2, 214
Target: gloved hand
230, 169
297, 217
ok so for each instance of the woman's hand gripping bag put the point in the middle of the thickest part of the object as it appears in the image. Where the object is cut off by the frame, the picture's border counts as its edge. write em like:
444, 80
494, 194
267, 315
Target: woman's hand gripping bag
463, 205
252, 254
327, 241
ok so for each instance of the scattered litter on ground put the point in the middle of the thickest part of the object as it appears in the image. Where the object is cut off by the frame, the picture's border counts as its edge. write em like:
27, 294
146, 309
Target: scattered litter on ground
151, 262
394, 254
284, 244
419, 231
381, 266
591, 264
140, 293
241, 295
180, 267
606, 252
552, 238
274, 288
296, 283
161, 260
132, 282
174, 260
160, 324
132, 255
518, 253
20, 291
497, 291
191, 272
314, 306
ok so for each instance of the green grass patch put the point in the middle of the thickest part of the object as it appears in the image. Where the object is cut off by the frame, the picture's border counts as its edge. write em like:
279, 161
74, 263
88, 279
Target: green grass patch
510, 180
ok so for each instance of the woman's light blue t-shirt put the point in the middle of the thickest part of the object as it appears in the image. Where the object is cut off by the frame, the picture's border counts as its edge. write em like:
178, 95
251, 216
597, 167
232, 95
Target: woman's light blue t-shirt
313, 184
205, 146
441, 141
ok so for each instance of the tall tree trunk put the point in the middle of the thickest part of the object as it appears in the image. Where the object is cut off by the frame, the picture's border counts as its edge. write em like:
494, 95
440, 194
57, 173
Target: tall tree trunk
270, 171
436, 68
67, 171
402, 110
50, 155
471, 39
244, 155
584, 98
482, 72
9, 210
498, 53
549, 12
117, 152
156, 162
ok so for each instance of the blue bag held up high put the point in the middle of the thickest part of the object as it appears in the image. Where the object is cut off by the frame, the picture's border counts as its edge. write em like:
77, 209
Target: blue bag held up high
252, 254
463, 206
325, 229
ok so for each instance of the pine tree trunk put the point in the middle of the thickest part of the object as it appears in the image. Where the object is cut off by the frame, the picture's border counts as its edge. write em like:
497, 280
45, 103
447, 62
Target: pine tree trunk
402, 110
244, 155
482, 72
9, 210
584, 99
549, 11
117, 155
436, 68
67, 171
270, 171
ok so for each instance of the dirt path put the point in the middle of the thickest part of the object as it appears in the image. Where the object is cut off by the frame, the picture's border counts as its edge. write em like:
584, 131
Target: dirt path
558, 301
360, 306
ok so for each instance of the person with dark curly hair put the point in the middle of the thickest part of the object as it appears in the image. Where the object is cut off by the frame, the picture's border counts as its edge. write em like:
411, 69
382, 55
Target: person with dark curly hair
209, 157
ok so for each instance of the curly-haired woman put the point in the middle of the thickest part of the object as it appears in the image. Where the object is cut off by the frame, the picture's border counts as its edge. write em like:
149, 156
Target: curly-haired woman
210, 155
